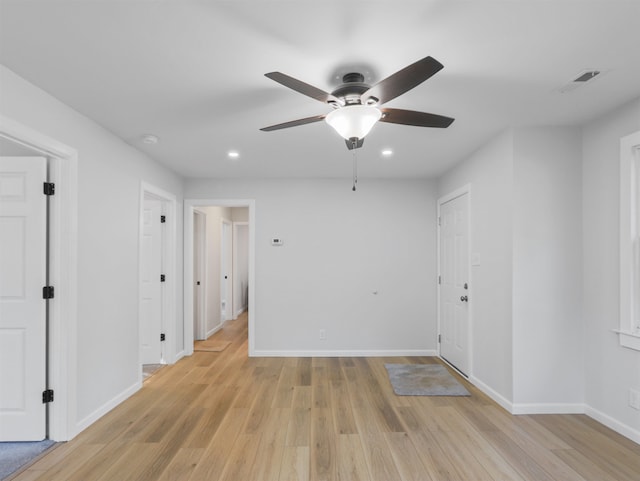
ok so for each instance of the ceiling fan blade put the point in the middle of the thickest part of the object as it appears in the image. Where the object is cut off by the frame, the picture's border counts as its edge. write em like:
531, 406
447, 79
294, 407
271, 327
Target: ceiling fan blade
411, 117
402, 81
294, 123
302, 87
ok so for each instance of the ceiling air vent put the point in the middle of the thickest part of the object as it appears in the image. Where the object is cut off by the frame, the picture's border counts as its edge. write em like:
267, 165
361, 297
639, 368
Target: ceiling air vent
581, 79
586, 76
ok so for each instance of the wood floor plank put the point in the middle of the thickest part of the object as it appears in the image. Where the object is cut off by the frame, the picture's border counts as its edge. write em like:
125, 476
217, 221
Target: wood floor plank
435, 460
406, 458
295, 464
225, 416
341, 407
268, 460
242, 457
323, 446
182, 465
220, 447
517, 457
351, 464
299, 429
381, 464
618, 461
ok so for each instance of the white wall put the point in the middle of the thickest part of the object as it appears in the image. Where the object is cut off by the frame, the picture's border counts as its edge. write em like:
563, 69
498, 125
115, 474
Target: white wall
547, 270
610, 370
215, 215
339, 247
239, 214
109, 177
489, 171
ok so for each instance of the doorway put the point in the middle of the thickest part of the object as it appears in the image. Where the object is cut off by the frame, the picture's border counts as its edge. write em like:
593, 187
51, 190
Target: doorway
157, 277
214, 275
453, 280
62, 170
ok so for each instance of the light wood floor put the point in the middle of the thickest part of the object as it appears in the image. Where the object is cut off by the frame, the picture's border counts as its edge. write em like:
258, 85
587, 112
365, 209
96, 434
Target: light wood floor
223, 416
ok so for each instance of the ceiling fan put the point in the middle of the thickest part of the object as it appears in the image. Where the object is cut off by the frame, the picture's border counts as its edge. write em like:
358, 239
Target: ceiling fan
357, 104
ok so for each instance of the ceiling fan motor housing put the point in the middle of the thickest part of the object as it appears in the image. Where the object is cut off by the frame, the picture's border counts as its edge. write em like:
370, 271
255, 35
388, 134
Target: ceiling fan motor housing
352, 88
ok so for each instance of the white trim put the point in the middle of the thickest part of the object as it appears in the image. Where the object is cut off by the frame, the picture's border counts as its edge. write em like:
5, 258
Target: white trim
495, 395
189, 206
108, 406
214, 330
629, 147
629, 339
63, 272
547, 408
349, 353
169, 311
614, 424
464, 190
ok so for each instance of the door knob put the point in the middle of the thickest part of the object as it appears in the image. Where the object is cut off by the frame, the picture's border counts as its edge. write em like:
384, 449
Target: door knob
464, 298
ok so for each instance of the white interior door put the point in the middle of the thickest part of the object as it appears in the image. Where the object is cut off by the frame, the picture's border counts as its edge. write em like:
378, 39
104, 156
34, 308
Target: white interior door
226, 270
150, 284
23, 231
199, 275
454, 282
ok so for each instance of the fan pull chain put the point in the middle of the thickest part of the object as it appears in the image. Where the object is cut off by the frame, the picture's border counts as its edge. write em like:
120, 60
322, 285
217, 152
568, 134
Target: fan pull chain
355, 167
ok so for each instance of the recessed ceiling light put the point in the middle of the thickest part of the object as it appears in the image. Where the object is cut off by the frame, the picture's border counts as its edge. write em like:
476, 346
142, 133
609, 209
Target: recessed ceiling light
387, 152
150, 139
233, 154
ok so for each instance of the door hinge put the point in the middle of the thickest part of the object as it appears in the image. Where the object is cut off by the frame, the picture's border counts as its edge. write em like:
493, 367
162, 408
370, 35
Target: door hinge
162, 337
49, 188
47, 292
439, 220
439, 279
439, 338
162, 278
163, 219
47, 396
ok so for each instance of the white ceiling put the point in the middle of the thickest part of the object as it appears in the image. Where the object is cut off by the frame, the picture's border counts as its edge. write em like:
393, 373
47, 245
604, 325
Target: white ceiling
192, 73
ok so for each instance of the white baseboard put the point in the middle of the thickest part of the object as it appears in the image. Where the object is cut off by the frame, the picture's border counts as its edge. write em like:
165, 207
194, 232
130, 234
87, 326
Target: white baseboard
548, 408
347, 353
239, 311
214, 330
614, 424
558, 408
495, 395
105, 408
179, 355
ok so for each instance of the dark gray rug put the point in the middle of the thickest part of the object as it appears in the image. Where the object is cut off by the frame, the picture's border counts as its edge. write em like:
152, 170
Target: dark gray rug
423, 380
15, 455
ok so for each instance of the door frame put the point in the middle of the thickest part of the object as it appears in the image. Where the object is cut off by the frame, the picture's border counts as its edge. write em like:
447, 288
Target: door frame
465, 189
168, 322
189, 206
63, 272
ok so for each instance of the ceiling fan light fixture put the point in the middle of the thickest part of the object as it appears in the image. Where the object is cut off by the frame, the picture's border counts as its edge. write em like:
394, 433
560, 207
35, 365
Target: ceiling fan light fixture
353, 121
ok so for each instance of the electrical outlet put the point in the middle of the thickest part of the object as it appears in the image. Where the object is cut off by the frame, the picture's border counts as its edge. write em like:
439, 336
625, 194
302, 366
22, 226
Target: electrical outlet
634, 399
323, 335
